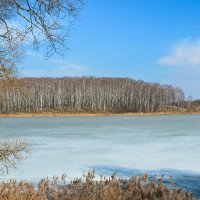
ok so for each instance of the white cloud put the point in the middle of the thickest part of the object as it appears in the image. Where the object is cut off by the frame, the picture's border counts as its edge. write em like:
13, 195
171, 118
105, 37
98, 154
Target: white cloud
34, 54
57, 71
38, 66
64, 67
185, 53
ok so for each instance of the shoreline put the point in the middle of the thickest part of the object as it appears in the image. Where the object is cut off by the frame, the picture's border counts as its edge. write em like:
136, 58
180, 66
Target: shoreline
98, 114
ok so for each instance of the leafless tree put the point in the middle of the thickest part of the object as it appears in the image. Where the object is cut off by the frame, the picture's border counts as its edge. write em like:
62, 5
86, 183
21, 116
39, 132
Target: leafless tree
38, 21
89, 94
42, 23
12, 152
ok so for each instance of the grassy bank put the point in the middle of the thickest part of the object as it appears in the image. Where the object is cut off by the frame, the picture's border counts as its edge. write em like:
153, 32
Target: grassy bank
92, 188
88, 114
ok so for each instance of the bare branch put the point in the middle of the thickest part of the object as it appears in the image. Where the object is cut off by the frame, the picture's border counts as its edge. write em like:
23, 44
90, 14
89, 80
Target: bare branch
43, 22
12, 152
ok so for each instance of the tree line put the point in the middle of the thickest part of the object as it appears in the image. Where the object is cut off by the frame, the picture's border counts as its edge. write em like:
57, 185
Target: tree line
88, 94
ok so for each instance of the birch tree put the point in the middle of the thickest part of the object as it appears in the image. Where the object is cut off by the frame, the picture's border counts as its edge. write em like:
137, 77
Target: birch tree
89, 94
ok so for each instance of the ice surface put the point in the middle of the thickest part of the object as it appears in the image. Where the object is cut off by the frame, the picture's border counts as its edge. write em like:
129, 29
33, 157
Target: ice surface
74, 145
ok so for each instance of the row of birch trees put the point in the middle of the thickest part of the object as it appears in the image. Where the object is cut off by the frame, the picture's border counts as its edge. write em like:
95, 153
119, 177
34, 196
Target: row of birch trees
88, 94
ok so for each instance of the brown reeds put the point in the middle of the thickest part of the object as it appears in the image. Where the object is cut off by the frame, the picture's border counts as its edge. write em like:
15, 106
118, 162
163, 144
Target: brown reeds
93, 188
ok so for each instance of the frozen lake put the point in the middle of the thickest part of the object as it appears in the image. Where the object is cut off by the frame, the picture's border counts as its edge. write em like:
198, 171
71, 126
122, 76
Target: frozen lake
159, 145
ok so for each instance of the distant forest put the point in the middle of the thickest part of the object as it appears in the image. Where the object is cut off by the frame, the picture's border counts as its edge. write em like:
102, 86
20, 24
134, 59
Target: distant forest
88, 94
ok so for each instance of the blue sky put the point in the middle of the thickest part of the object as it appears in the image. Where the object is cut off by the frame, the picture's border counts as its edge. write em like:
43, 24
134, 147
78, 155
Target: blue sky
152, 40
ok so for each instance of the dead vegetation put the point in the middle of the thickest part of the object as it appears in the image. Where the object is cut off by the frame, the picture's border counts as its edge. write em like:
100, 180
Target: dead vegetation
93, 188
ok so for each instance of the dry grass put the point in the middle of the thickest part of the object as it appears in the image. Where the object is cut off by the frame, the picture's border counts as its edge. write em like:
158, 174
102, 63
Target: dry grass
91, 188
90, 114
